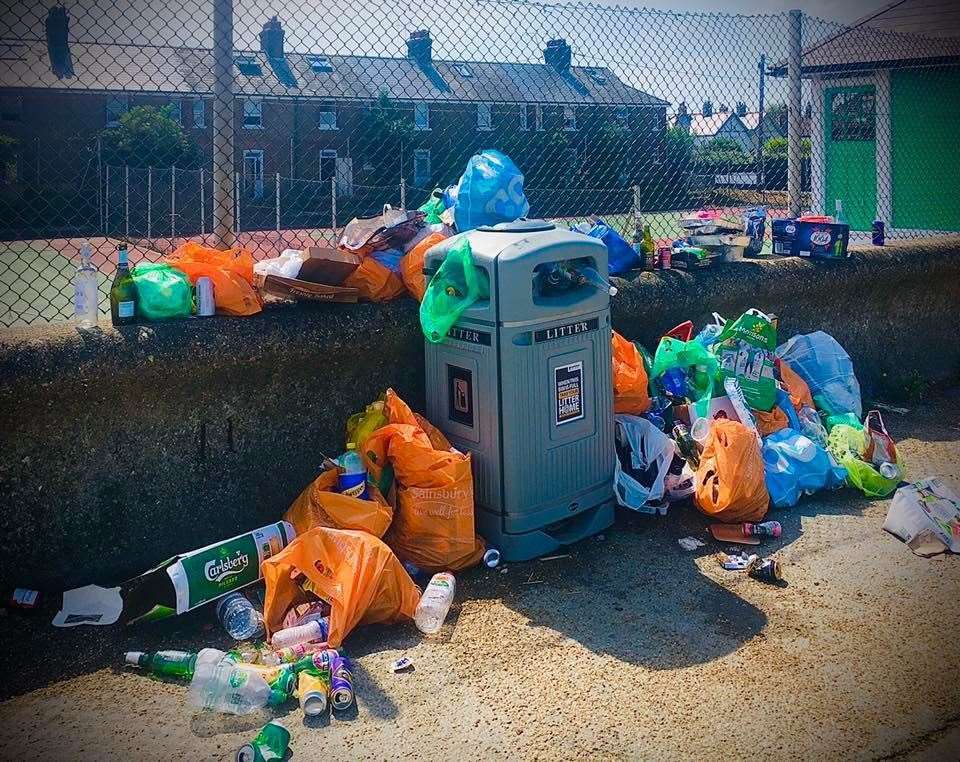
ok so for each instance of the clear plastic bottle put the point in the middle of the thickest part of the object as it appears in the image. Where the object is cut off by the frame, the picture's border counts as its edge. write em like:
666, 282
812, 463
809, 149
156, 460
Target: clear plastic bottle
86, 294
352, 479
811, 425
239, 618
435, 603
304, 633
225, 687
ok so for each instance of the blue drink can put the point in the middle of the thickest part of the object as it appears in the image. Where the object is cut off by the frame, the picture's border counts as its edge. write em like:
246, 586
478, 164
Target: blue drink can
879, 231
341, 682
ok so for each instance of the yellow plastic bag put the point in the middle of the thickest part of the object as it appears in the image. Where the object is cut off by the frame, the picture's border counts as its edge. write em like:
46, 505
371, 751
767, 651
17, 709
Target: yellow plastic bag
630, 386
320, 505
355, 572
729, 484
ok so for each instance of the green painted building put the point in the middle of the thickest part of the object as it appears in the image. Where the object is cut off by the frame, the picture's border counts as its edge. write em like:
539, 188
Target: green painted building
885, 125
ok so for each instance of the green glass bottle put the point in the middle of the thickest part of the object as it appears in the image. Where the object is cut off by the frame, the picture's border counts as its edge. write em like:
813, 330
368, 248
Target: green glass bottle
123, 292
163, 663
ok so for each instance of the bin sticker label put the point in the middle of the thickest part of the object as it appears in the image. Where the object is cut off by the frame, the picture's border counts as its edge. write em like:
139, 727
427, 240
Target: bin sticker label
565, 330
568, 380
460, 395
469, 335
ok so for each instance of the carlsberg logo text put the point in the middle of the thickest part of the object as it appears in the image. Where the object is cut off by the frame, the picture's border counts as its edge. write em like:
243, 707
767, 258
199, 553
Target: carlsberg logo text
220, 569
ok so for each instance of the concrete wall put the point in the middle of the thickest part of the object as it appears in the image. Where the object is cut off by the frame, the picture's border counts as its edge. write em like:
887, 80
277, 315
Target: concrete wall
122, 448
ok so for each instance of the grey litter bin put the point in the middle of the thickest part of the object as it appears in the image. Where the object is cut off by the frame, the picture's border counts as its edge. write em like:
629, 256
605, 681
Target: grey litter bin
523, 383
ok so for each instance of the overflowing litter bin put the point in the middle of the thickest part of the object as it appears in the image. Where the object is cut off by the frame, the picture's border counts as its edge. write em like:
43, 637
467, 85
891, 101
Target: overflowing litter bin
522, 381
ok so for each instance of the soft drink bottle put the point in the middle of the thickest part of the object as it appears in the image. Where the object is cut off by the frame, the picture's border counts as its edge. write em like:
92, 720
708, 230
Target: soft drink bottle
239, 618
172, 663
435, 603
352, 479
86, 295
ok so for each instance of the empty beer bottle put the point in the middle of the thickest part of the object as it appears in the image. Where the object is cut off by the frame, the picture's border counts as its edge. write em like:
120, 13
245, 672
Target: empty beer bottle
123, 292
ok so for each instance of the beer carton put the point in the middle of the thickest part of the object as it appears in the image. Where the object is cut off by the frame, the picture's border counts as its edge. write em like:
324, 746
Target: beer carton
180, 583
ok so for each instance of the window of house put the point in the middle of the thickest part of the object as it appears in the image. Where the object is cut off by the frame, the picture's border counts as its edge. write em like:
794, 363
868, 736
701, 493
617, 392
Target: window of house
199, 113
569, 119
537, 116
327, 116
11, 108
175, 110
463, 70
253, 173
853, 116
421, 166
421, 116
525, 117
597, 75
328, 164
248, 66
320, 64
252, 114
117, 106
622, 115
484, 116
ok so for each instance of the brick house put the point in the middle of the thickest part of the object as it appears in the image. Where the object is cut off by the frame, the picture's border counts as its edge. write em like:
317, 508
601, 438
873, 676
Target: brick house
312, 116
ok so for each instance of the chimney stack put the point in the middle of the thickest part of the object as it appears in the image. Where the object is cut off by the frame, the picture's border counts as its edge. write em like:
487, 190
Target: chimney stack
58, 42
271, 39
557, 55
420, 48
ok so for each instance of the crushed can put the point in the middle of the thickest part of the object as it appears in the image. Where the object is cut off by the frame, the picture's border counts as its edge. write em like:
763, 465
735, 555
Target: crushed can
766, 570
878, 233
271, 743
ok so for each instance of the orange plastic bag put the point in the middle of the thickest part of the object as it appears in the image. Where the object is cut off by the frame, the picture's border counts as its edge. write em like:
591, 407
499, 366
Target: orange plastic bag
355, 572
770, 422
320, 505
374, 282
411, 265
630, 386
729, 482
231, 272
795, 386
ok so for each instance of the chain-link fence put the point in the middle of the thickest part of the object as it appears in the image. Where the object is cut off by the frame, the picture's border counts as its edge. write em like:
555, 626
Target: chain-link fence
268, 126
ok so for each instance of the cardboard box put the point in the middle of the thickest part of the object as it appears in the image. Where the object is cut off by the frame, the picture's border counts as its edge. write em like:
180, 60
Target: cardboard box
720, 407
178, 584
295, 288
328, 266
816, 240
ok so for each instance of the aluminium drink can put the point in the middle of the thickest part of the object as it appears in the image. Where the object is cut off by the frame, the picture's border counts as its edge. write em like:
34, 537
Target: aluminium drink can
341, 683
205, 303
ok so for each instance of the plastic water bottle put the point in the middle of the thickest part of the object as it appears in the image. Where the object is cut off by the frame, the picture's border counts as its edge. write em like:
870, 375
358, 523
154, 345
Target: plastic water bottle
304, 633
225, 687
811, 425
239, 618
352, 479
86, 294
435, 603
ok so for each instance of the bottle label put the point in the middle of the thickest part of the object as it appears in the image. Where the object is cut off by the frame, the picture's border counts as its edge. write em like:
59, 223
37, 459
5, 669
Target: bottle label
25, 598
125, 309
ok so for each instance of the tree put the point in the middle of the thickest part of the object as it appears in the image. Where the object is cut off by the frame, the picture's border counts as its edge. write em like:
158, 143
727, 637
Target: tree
777, 148
387, 130
777, 113
721, 151
707, 109
679, 145
741, 108
148, 136
9, 150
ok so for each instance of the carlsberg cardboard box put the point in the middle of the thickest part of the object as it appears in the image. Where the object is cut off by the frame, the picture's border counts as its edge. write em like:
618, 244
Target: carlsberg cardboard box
191, 579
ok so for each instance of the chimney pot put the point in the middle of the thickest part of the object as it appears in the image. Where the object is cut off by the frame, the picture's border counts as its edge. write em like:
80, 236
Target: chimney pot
271, 38
420, 47
558, 55
58, 41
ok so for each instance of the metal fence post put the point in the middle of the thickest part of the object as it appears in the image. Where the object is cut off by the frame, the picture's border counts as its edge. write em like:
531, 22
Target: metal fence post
106, 205
173, 202
149, 203
278, 201
203, 203
637, 219
224, 182
794, 109
236, 201
333, 204
126, 200
403, 193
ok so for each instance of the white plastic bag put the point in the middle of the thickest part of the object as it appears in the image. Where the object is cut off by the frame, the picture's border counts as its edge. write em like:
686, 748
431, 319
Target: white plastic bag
287, 265
926, 516
651, 453
820, 361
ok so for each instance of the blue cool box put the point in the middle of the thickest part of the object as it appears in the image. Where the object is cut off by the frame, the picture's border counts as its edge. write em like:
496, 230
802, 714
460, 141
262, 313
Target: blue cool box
820, 240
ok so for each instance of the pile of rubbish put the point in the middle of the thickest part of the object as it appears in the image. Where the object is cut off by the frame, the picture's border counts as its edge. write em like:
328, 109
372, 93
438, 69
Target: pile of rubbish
740, 424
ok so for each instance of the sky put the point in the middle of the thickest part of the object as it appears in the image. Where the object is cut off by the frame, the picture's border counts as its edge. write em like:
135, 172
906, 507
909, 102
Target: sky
679, 50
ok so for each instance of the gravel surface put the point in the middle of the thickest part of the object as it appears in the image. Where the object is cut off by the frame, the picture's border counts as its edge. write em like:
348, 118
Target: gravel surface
628, 647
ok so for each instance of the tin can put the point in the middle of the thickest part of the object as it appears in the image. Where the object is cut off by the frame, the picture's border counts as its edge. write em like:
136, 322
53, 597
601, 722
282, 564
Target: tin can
271, 742
341, 683
205, 303
313, 689
879, 233
766, 570
665, 257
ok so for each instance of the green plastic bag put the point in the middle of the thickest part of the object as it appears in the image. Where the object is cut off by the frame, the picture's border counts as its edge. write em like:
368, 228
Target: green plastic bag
745, 350
846, 444
847, 419
163, 292
433, 208
673, 353
456, 286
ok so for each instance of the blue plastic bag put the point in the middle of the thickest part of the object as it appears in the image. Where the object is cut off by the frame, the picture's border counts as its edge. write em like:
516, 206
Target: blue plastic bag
621, 256
820, 361
389, 258
794, 464
490, 191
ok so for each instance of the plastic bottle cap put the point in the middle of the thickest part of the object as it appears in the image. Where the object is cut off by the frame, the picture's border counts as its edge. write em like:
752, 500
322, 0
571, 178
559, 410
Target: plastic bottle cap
492, 557
132, 658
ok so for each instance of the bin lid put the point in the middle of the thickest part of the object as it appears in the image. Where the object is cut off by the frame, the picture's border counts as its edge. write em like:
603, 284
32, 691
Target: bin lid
518, 226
